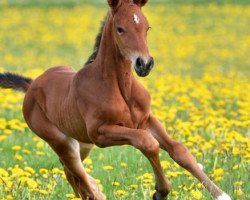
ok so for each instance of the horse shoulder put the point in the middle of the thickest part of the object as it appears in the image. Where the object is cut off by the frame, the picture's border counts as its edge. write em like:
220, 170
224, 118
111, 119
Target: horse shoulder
141, 95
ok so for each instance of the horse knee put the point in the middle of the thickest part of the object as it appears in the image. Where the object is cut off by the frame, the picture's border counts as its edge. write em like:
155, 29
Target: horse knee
148, 145
153, 148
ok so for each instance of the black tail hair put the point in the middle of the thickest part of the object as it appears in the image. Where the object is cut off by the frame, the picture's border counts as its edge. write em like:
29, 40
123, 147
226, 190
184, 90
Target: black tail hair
14, 81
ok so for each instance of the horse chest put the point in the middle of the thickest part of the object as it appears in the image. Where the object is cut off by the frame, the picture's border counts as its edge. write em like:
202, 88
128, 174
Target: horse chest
137, 115
126, 114
107, 104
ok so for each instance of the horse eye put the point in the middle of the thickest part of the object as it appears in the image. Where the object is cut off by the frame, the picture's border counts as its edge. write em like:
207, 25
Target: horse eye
120, 30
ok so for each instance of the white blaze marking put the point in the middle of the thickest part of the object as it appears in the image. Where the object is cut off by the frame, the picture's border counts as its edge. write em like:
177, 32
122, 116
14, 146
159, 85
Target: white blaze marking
224, 196
136, 19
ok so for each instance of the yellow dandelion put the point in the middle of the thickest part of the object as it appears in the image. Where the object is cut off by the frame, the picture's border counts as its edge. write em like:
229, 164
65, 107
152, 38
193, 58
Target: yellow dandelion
40, 145
165, 164
70, 196
7, 131
87, 161
196, 194
151, 192
115, 183
26, 151
2, 138
88, 170
238, 192
56, 170
9, 197
120, 192
29, 169
133, 186
3, 173
108, 168
43, 171
175, 193
43, 192
40, 153
123, 164
18, 157
32, 184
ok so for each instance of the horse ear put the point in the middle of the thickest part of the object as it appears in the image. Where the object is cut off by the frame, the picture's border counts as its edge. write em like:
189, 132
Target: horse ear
114, 3
140, 2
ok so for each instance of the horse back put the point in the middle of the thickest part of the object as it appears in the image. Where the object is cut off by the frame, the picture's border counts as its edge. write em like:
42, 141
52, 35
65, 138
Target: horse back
52, 88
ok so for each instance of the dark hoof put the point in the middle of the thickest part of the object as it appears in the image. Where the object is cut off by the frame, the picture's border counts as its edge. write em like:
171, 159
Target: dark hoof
159, 196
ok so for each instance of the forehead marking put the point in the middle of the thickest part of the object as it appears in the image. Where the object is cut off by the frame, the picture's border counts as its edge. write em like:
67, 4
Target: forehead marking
136, 19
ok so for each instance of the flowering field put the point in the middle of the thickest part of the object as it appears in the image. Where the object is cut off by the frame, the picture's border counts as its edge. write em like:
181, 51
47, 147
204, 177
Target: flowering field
199, 87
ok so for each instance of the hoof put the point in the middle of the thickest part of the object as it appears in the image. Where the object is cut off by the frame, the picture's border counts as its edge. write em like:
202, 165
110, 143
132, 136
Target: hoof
159, 196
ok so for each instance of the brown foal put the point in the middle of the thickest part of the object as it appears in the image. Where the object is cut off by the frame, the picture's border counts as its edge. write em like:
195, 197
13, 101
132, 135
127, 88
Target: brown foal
104, 105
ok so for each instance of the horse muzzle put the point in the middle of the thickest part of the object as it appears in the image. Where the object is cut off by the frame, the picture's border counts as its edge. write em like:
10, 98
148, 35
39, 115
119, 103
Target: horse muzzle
143, 68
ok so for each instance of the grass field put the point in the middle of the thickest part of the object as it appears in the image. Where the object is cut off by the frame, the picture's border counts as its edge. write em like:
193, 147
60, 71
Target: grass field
199, 87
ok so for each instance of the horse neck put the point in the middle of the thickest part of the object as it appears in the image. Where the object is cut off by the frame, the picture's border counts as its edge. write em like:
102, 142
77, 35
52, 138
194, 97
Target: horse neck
110, 63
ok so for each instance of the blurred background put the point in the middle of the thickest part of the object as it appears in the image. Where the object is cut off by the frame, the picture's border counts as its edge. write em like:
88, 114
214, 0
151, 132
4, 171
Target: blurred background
199, 87
194, 35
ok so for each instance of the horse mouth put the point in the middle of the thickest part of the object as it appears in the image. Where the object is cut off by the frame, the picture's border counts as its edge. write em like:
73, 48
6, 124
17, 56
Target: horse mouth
142, 73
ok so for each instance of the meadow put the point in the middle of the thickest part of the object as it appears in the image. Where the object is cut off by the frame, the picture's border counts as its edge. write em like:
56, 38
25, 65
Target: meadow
199, 87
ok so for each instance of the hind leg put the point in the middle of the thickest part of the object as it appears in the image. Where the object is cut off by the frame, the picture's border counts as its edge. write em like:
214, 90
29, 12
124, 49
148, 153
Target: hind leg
71, 179
84, 152
67, 149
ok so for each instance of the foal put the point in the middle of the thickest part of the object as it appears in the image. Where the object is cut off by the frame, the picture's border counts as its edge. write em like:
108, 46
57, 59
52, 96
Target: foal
104, 105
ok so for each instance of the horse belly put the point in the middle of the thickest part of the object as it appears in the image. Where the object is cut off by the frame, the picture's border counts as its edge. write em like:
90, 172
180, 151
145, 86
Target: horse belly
68, 119
74, 126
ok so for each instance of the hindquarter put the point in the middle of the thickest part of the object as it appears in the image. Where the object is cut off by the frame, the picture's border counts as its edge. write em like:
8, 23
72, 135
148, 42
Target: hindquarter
52, 92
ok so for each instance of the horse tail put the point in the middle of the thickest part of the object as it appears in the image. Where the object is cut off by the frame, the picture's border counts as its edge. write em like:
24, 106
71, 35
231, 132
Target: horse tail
14, 81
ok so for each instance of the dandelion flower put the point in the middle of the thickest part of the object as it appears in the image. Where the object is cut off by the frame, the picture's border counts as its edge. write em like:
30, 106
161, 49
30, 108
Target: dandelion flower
108, 168
120, 192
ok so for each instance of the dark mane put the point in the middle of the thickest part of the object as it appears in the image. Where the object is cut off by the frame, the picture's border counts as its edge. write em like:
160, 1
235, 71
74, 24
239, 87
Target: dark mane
97, 43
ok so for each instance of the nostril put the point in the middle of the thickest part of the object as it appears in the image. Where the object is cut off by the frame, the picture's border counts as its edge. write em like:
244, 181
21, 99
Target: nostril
139, 62
150, 64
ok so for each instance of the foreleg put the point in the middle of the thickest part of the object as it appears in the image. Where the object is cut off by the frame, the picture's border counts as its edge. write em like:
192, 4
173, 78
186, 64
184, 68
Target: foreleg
112, 135
180, 154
